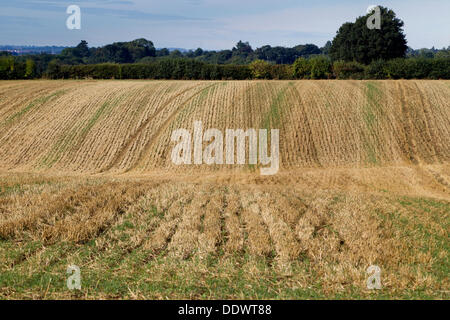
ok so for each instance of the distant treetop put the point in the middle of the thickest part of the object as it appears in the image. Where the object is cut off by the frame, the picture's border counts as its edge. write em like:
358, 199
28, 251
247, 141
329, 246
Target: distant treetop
356, 42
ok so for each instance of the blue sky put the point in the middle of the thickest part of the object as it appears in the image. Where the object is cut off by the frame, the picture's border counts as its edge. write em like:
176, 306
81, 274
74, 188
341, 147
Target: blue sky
211, 24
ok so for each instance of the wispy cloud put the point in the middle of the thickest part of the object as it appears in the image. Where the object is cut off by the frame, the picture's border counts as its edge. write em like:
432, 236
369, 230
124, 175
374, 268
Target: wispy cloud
211, 24
25, 21
138, 15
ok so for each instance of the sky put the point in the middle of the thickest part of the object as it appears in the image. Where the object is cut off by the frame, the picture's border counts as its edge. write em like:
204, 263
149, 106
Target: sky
211, 24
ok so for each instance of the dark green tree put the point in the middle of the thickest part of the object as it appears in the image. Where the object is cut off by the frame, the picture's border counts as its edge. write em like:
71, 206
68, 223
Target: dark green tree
326, 49
81, 50
176, 54
356, 42
198, 52
241, 53
242, 48
140, 48
307, 50
162, 52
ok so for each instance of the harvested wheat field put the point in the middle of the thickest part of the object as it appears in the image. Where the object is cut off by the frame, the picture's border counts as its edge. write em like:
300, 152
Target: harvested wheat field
87, 179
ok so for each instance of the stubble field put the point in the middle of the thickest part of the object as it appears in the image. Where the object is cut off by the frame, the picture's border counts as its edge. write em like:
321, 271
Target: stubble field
86, 179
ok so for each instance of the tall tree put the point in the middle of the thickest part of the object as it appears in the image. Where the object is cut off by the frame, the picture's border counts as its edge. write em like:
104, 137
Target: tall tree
140, 48
81, 50
356, 42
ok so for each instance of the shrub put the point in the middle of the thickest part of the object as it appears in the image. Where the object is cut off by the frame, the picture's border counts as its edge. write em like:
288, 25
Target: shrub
348, 70
396, 69
419, 68
209, 72
440, 68
376, 70
6, 67
106, 71
260, 69
30, 68
281, 72
320, 68
54, 70
412, 68
235, 72
12, 69
302, 69
316, 68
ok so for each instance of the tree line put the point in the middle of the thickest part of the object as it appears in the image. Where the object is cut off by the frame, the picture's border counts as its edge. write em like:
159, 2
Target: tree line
314, 68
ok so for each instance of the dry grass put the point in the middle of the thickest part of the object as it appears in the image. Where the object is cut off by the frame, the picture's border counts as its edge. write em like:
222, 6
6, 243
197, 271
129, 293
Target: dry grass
303, 242
86, 179
125, 126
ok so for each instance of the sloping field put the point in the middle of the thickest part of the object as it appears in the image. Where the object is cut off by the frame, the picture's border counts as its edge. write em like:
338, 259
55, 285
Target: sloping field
112, 126
86, 178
